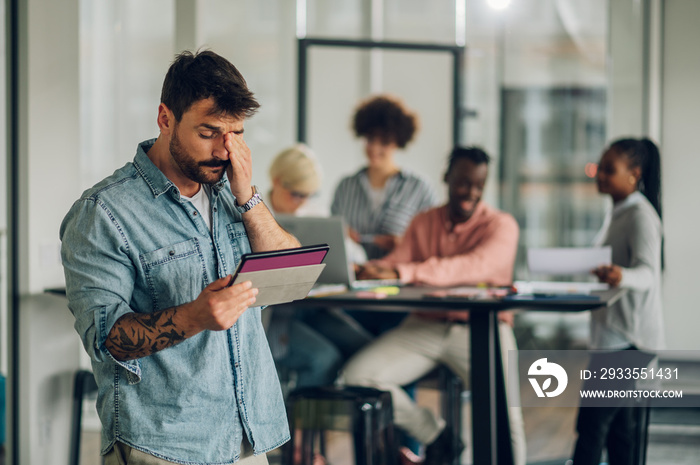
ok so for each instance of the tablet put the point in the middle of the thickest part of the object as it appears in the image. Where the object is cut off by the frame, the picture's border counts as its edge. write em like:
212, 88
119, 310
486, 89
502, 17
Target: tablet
275, 259
282, 275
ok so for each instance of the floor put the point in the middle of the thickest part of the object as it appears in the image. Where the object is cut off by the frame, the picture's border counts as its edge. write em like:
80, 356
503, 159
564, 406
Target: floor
550, 438
674, 434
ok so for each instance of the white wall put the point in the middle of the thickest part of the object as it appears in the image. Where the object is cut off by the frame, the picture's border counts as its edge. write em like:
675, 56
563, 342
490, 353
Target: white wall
681, 165
625, 70
263, 48
49, 156
50, 130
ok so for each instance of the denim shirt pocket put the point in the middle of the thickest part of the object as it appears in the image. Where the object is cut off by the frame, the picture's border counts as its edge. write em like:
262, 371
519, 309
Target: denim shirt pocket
175, 274
238, 236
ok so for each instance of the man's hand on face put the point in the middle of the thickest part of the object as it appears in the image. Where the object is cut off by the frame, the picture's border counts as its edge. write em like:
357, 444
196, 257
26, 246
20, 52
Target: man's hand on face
219, 305
240, 171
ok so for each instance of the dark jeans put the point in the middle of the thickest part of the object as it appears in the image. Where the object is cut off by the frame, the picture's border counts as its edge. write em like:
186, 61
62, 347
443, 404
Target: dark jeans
311, 343
315, 359
612, 426
334, 324
377, 323
609, 427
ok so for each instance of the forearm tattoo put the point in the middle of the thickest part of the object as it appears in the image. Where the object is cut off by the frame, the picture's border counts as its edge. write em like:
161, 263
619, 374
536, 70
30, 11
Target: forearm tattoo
137, 335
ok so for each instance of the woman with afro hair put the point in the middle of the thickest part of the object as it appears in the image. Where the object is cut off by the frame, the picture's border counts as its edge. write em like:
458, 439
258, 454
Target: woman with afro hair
379, 201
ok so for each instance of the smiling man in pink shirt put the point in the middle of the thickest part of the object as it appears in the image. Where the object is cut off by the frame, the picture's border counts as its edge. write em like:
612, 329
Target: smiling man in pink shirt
461, 243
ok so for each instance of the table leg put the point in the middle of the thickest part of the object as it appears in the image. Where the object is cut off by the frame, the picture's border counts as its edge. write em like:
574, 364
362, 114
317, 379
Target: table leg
505, 445
490, 427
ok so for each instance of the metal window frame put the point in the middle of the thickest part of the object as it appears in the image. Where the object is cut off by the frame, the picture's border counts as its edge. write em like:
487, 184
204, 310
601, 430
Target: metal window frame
304, 44
12, 12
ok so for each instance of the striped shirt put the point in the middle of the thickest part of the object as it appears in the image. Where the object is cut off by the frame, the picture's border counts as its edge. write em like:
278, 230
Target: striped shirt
406, 195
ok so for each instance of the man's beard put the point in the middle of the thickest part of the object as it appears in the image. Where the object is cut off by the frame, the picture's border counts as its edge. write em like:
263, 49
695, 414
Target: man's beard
193, 169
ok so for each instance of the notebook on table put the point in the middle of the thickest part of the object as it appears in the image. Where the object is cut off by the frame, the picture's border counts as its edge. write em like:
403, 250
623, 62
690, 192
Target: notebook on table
332, 231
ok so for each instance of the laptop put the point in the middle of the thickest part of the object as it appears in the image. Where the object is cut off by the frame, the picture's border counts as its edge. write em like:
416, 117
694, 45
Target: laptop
331, 230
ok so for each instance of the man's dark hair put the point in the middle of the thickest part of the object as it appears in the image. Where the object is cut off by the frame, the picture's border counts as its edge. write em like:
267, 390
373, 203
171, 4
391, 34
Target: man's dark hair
387, 118
197, 76
474, 154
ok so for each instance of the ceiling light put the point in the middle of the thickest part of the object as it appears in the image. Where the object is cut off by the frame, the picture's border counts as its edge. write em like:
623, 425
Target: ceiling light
498, 4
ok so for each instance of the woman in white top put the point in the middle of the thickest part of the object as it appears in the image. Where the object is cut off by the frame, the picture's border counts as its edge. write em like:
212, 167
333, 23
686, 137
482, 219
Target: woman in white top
630, 173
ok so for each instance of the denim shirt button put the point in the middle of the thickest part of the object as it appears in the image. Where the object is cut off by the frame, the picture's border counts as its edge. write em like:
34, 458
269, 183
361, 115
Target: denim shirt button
214, 209
171, 253
194, 213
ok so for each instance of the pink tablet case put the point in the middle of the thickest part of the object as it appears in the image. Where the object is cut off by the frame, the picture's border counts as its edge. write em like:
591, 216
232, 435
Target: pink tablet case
283, 261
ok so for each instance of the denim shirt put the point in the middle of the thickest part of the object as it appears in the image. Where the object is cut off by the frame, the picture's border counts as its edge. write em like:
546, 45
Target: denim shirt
131, 243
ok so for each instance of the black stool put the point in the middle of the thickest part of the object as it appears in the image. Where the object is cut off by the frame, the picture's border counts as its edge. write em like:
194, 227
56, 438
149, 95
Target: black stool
451, 388
365, 412
84, 385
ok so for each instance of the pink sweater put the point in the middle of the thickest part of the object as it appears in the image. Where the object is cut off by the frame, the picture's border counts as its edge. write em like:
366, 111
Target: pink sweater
480, 250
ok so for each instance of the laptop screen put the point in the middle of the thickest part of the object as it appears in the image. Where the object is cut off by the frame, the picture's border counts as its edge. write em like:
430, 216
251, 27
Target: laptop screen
312, 230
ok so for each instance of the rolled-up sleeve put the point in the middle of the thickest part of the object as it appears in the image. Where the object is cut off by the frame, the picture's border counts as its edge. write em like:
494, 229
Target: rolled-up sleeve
645, 252
99, 276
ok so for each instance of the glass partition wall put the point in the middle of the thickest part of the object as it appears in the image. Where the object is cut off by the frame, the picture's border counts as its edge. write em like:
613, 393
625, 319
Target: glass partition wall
541, 101
553, 120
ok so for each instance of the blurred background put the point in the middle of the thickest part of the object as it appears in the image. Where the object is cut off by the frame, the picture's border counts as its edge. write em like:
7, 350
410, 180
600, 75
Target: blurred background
546, 84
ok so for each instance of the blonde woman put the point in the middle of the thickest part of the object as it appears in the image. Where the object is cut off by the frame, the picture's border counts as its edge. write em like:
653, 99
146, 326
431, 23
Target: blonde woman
308, 345
295, 176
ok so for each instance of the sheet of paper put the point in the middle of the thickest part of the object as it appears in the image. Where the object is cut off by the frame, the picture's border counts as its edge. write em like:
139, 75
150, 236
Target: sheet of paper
567, 260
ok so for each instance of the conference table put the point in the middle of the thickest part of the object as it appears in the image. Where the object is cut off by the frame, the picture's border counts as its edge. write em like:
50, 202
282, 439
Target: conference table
491, 439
